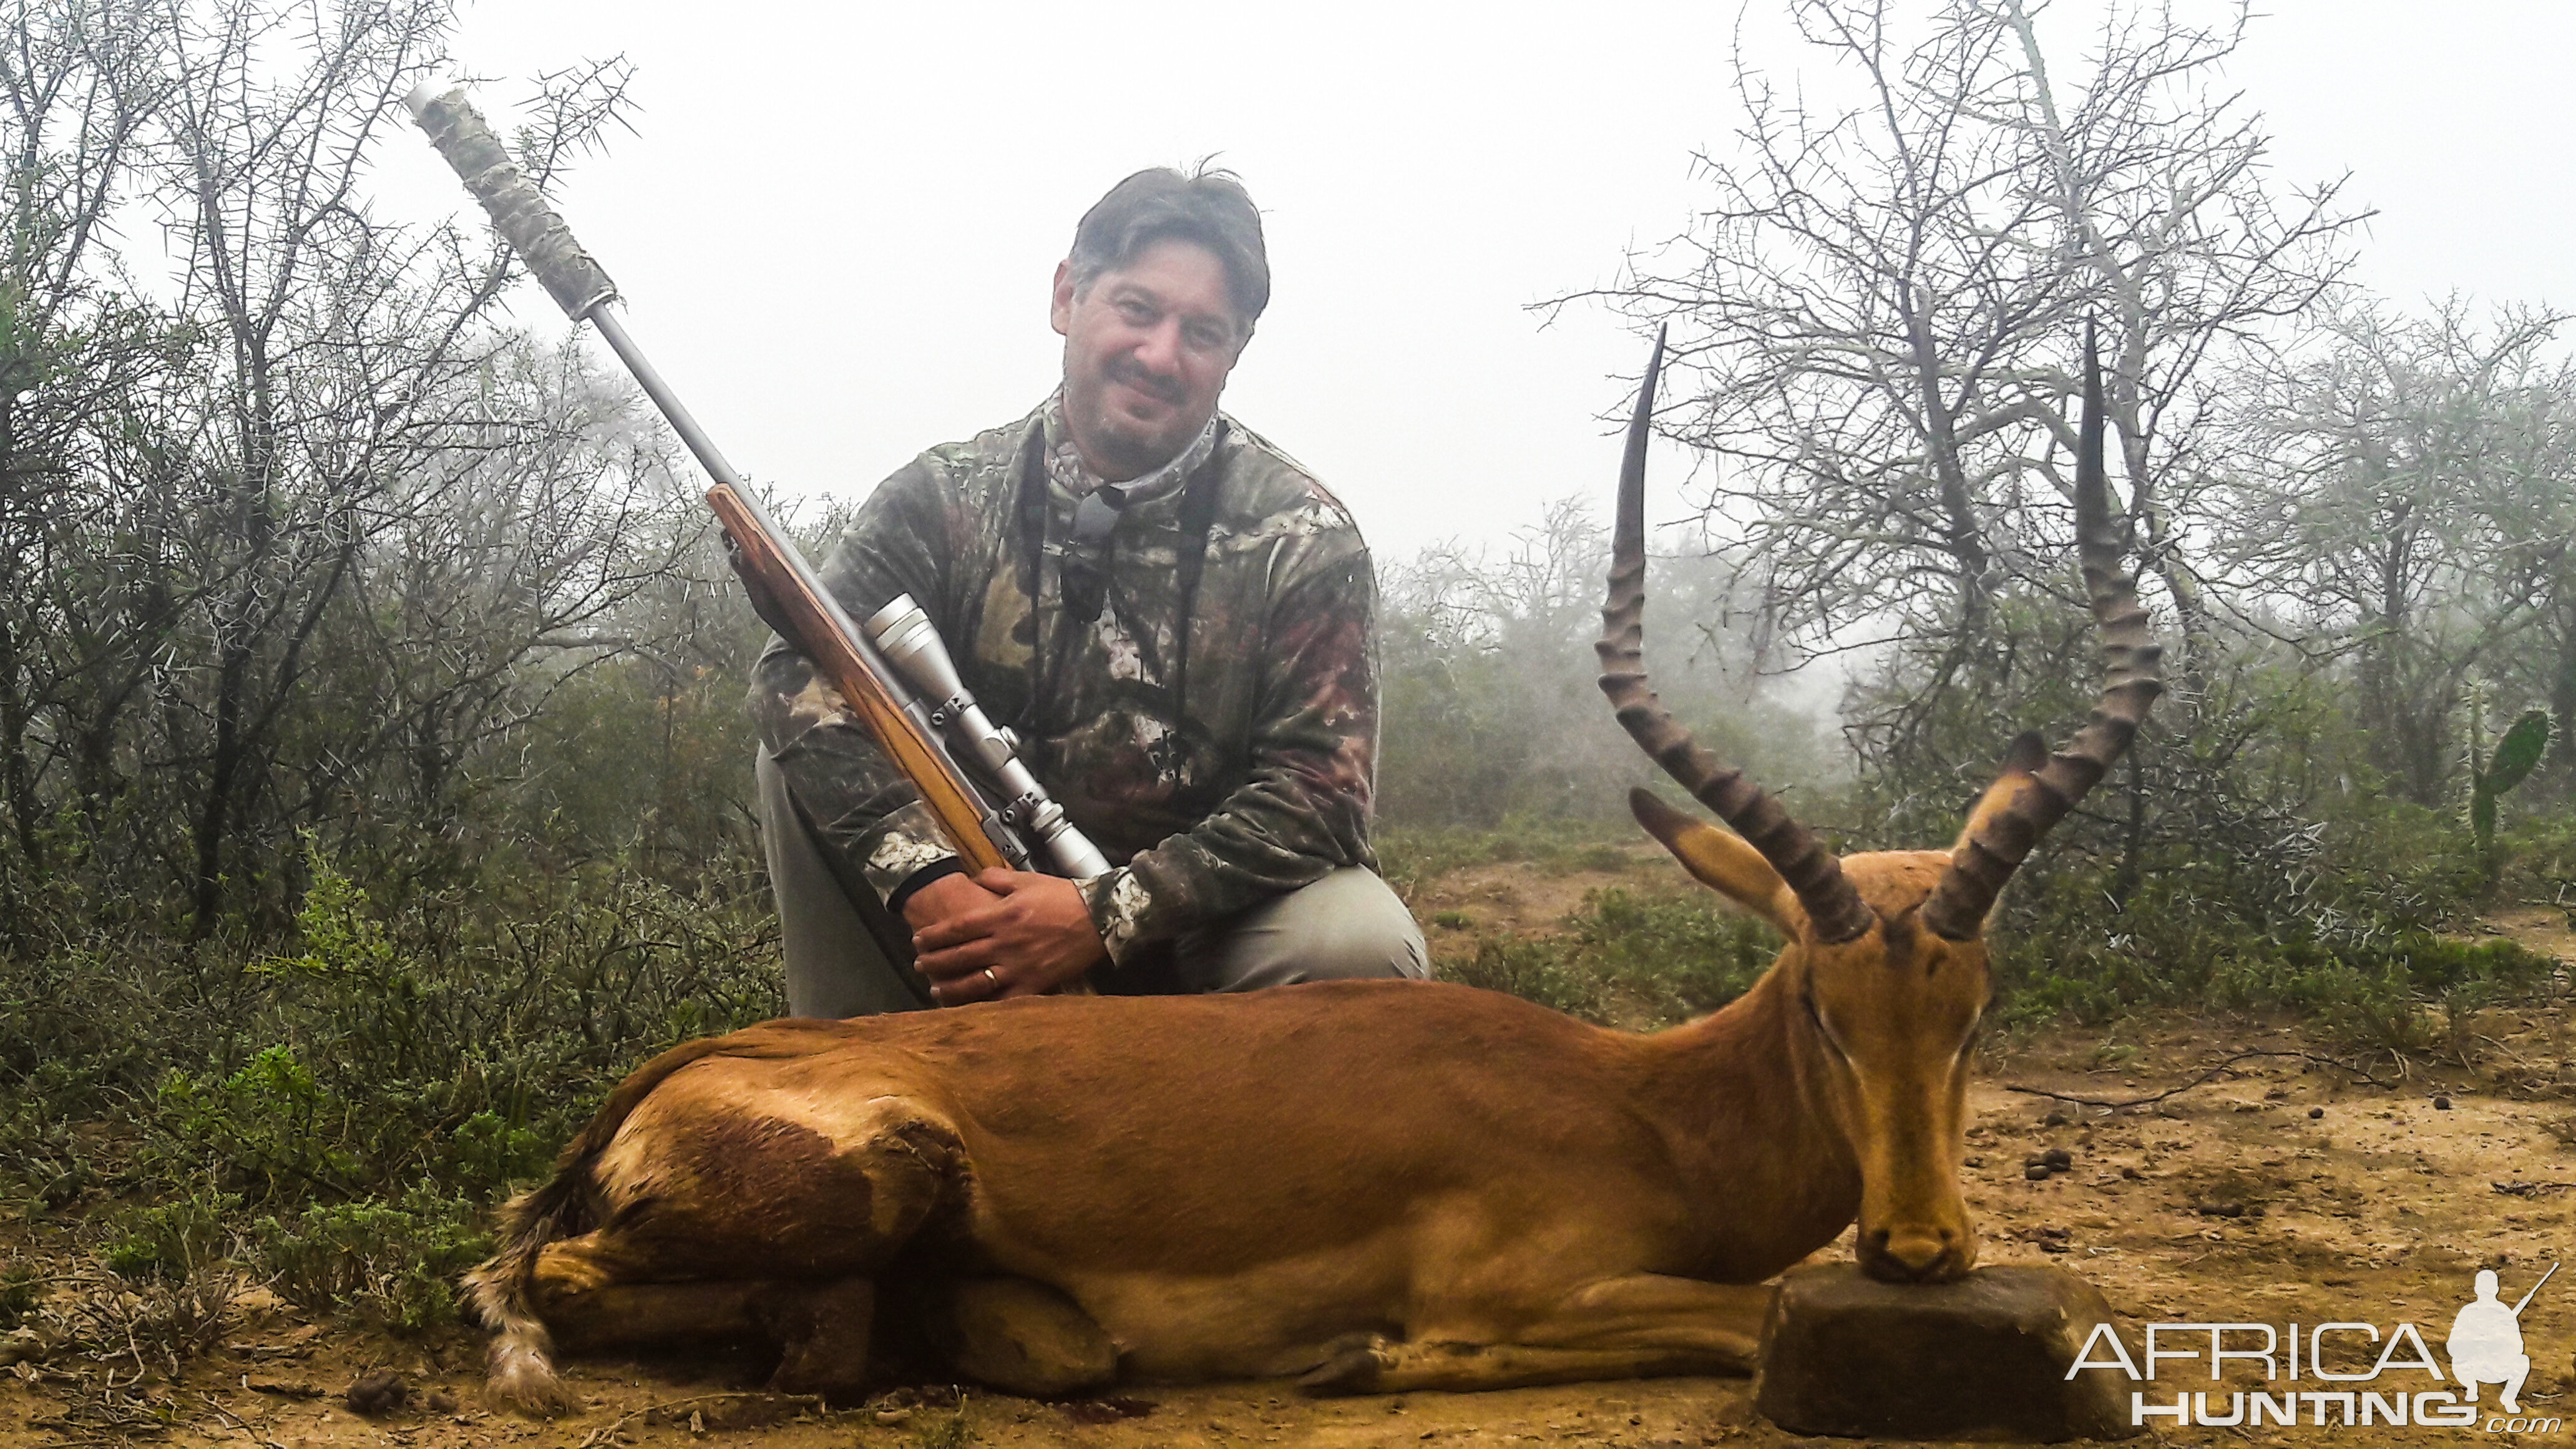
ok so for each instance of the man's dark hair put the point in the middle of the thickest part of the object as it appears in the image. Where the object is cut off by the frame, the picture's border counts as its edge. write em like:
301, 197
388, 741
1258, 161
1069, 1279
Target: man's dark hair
1210, 208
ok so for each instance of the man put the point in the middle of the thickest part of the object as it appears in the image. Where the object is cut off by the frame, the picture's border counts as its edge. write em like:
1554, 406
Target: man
2486, 1344
1175, 620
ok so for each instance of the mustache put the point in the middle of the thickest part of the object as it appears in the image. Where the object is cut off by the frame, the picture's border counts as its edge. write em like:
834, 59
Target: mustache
1132, 373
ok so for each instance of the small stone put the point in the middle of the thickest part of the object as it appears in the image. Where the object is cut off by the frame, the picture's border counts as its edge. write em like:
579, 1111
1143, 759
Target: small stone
894, 1416
2055, 1119
2316, 1114
380, 1392
2057, 1159
2441, 1104
1984, 1358
441, 1402
2132, 1174
2036, 1172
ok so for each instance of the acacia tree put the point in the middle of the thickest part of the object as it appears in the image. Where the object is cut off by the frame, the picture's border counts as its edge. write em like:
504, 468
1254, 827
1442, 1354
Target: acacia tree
80, 85
2186, 252
2406, 506
1492, 705
311, 520
345, 356
1880, 306
498, 567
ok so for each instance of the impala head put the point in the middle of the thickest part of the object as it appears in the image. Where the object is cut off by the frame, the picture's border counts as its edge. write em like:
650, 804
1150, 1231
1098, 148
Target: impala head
1885, 971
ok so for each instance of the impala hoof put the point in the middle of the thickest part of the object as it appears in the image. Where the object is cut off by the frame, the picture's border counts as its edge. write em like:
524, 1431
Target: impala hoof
1357, 1370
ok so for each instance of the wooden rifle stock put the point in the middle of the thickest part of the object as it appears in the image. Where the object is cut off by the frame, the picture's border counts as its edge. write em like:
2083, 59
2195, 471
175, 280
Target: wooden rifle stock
786, 593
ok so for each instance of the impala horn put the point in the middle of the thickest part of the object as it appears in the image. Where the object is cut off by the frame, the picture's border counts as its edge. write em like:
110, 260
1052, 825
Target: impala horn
1833, 907
2131, 681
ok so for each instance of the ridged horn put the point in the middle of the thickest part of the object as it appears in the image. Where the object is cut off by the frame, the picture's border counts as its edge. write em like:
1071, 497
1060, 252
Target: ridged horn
2131, 681
1833, 907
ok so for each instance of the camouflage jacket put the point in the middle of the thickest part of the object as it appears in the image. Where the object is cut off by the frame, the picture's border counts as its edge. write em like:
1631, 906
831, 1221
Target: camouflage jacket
1218, 748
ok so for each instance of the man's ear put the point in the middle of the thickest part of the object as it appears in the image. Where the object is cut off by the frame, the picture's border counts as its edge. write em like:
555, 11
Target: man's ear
1061, 312
1722, 861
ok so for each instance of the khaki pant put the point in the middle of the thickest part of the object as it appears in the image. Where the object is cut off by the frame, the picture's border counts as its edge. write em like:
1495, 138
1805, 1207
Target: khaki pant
846, 956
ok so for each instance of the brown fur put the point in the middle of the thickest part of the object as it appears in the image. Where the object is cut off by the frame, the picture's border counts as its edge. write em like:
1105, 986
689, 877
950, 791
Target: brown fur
1383, 1184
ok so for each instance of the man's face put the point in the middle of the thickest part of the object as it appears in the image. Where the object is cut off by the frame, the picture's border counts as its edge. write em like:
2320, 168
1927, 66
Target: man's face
1146, 351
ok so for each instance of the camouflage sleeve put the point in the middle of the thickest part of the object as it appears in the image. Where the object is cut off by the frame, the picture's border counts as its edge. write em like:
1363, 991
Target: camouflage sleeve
1303, 809
869, 817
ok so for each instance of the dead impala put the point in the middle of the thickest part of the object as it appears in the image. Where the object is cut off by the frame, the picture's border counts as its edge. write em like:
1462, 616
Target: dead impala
1378, 1185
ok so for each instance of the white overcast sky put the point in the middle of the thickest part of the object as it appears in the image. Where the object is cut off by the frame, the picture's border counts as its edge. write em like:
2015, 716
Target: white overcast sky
835, 224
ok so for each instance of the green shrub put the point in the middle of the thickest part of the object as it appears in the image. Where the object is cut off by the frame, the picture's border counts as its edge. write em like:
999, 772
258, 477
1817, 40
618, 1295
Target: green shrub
1533, 970
390, 1262
1685, 955
167, 1242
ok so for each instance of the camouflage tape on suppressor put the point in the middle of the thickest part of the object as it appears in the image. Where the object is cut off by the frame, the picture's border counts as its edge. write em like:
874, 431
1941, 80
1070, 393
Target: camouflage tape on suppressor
578, 283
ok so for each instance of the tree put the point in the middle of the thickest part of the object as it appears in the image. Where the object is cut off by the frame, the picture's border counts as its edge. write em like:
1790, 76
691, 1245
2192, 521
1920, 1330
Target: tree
80, 86
2405, 503
1882, 302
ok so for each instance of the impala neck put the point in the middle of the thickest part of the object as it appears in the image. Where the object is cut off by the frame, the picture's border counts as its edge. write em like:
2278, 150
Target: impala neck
1745, 1092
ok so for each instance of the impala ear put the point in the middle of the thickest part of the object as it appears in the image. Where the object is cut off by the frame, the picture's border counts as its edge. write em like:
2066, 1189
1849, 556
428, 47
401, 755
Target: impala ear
1722, 861
2022, 759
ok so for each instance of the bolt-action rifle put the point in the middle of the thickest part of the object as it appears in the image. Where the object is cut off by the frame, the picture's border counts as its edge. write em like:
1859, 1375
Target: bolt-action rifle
884, 672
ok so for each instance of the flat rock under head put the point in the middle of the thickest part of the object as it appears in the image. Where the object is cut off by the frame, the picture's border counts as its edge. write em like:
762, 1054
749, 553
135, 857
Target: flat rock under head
1983, 1359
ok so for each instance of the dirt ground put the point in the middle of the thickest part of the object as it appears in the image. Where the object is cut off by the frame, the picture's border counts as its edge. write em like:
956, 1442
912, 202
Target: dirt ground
2286, 1190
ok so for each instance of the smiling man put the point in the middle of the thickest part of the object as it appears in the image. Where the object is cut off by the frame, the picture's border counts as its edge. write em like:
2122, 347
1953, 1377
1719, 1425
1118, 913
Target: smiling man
1175, 619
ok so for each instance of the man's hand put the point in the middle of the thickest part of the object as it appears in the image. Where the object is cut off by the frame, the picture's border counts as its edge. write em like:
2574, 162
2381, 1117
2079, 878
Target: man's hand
1000, 933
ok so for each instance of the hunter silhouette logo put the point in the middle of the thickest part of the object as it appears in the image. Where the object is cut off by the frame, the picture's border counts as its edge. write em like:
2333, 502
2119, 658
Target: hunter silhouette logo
2486, 1341
2363, 1376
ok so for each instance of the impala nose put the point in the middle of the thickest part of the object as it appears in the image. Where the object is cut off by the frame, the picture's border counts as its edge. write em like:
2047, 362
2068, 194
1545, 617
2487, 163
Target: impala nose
1911, 1254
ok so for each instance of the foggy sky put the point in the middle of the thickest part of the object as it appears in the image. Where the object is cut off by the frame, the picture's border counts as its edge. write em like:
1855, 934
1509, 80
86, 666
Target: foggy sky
835, 225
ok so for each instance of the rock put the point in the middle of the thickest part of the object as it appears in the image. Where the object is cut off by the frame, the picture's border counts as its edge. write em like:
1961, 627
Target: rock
2035, 1172
1983, 1358
2057, 1159
2316, 1114
2441, 1104
381, 1392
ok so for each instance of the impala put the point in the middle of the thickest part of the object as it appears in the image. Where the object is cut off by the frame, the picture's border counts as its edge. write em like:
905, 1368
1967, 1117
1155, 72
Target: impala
1378, 1186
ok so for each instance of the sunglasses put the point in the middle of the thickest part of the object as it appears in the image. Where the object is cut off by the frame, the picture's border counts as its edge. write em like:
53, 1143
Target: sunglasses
1083, 565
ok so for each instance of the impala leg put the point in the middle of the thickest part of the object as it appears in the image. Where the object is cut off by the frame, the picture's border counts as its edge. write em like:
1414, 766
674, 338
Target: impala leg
821, 1329
822, 1332
1644, 1326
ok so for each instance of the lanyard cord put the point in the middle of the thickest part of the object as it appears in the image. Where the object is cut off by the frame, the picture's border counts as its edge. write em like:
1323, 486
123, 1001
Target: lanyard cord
1198, 519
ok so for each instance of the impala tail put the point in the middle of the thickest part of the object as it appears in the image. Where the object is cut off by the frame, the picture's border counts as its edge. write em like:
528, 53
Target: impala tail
519, 1370
503, 1289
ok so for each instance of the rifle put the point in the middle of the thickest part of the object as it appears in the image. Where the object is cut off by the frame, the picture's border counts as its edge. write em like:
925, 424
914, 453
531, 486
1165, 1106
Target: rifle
886, 694
2535, 1290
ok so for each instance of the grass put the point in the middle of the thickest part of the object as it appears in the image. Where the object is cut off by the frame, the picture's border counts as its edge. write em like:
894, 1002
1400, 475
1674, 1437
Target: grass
1646, 955
1635, 956
1412, 858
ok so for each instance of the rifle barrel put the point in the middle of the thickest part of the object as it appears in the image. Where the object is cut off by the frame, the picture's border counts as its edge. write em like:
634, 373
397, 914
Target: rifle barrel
2535, 1289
